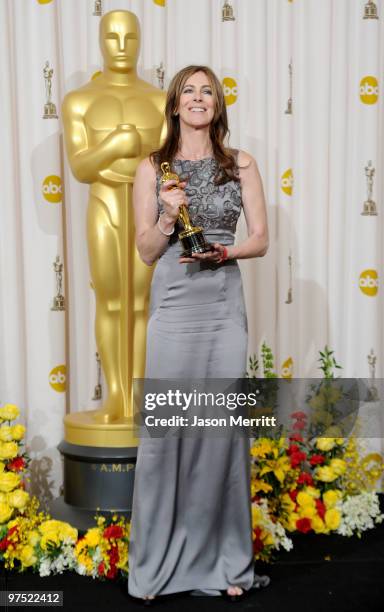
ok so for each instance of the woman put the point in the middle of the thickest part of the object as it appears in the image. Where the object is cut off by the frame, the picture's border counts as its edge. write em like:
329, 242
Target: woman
191, 516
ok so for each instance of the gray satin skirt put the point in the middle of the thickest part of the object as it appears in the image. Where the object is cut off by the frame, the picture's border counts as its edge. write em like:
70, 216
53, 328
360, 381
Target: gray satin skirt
191, 525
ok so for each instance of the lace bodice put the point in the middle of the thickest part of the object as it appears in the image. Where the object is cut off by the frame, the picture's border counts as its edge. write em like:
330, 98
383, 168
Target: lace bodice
212, 207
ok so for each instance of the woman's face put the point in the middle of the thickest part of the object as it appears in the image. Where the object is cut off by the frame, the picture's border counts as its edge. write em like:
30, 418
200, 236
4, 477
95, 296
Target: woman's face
196, 105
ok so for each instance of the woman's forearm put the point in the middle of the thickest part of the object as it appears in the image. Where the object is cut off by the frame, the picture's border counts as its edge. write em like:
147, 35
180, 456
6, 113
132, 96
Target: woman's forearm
152, 242
256, 245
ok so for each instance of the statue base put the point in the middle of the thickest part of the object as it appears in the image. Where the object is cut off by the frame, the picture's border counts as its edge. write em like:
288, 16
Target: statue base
95, 480
77, 517
50, 111
86, 429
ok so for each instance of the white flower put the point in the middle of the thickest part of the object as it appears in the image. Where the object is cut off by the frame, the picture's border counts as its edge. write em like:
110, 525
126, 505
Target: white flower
45, 567
359, 513
280, 538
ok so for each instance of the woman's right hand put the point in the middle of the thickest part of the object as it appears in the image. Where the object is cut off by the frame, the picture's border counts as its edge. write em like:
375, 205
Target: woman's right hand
172, 199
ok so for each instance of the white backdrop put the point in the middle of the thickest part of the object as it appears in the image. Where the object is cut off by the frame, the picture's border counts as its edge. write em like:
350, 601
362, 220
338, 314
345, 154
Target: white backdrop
312, 163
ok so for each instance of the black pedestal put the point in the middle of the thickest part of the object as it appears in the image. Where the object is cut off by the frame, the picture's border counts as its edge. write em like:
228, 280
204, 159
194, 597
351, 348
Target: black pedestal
95, 479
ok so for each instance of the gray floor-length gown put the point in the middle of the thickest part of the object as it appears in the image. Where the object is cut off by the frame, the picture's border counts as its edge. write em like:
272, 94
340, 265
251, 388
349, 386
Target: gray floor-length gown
191, 517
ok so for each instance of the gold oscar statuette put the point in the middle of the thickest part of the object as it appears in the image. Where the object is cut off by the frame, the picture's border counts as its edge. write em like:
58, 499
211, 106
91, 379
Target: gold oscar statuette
191, 238
110, 124
227, 12
98, 8
373, 394
288, 110
160, 72
370, 10
58, 300
49, 107
369, 207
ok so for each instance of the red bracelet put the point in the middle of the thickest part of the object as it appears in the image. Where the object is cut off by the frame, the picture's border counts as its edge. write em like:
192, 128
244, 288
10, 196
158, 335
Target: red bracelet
224, 255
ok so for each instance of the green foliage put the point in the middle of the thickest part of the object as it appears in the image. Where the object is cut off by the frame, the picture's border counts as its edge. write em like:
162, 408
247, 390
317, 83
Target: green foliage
328, 363
268, 361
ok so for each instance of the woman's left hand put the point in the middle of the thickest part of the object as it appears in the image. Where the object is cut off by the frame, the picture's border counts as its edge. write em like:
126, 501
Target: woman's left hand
214, 256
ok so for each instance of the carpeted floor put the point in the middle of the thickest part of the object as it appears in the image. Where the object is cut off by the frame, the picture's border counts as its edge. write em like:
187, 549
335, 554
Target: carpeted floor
321, 574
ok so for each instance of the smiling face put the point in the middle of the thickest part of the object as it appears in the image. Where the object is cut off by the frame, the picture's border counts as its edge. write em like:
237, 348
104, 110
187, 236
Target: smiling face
120, 40
196, 106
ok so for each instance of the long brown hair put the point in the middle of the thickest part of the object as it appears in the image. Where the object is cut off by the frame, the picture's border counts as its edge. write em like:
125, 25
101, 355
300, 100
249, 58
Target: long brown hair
218, 129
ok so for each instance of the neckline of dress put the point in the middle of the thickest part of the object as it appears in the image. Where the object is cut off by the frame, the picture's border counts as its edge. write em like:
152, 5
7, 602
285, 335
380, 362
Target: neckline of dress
193, 160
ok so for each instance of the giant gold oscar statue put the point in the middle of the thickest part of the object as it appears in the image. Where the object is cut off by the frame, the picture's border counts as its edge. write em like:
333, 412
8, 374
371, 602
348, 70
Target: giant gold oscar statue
110, 124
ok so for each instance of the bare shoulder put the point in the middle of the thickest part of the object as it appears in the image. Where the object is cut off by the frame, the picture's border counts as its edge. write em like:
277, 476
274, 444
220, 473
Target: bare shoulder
146, 170
245, 160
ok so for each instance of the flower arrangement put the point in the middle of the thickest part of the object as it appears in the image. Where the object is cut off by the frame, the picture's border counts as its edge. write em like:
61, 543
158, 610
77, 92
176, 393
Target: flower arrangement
300, 482
103, 551
305, 483
13, 464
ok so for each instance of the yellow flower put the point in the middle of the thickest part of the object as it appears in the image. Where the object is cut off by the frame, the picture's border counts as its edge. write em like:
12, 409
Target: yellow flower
18, 499
331, 497
260, 485
3, 497
2, 466
261, 448
33, 537
291, 524
92, 537
8, 450
304, 499
257, 516
9, 481
332, 518
49, 525
279, 467
49, 538
268, 539
325, 444
338, 466
6, 433
315, 493
18, 431
307, 511
5, 512
27, 556
68, 532
318, 525
9, 412
61, 528
287, 503
325, 474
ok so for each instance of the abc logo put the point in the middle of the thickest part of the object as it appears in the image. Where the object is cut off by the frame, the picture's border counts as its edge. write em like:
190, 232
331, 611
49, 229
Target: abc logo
160, 2
230, 90
52, 190
369, 90
287, 368
287, 181
96, 74
369, 282
44, 1
57, 378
